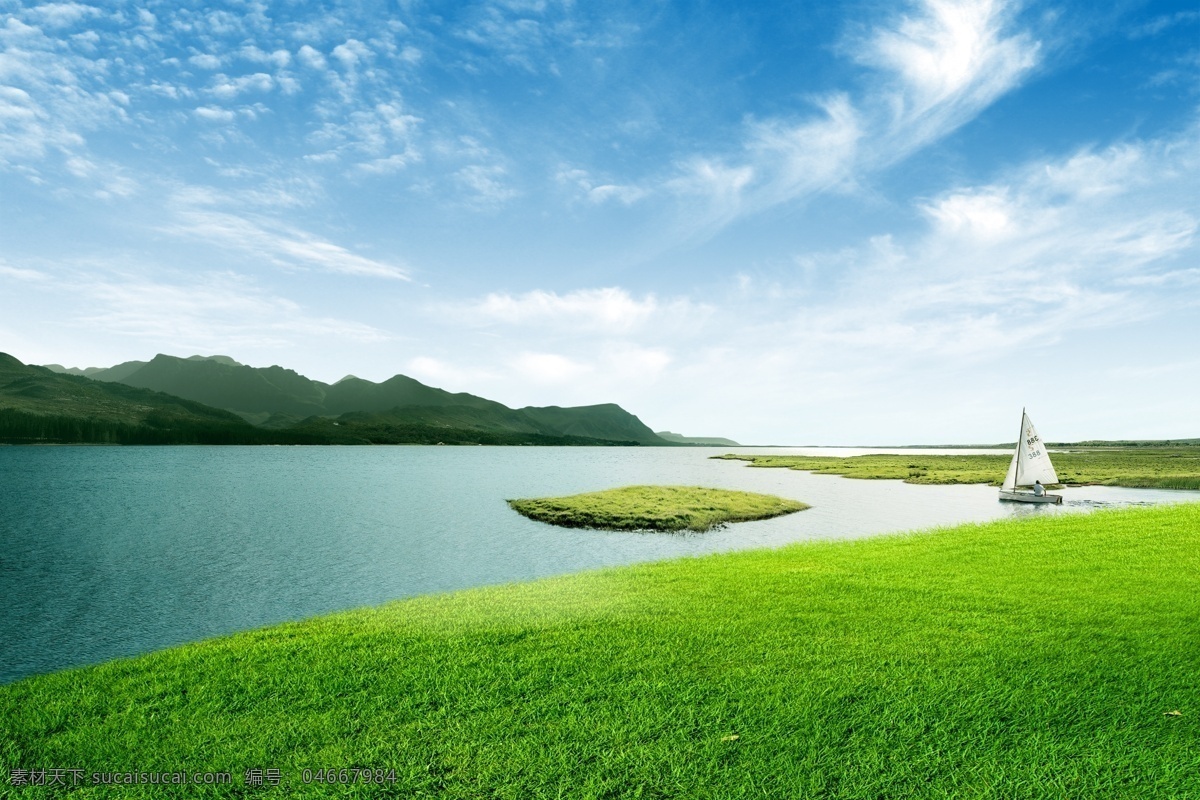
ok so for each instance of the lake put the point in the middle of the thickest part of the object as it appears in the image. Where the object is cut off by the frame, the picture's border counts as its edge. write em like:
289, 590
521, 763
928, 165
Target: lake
115, 551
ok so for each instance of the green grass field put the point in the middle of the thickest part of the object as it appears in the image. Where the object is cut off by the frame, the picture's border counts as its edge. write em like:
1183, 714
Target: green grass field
1025, 659
1137, 467
655, 508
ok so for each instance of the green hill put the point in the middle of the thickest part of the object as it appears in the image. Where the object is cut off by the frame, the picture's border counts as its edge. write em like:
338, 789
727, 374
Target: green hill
705, 441
607, 420
281, 398
356, 394
231, 386
59, 368
114, 373
39, 406
278, 405
117, 372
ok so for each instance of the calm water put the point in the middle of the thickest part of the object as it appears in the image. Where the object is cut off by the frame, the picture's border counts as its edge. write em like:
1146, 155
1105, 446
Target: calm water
113, 551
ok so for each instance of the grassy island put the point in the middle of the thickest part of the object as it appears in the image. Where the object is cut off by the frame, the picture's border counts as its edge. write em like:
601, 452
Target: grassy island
655, 508
1136, 467
1051, 657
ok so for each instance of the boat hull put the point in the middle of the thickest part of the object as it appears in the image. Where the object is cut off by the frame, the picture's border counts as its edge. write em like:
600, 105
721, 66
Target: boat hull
1030, 497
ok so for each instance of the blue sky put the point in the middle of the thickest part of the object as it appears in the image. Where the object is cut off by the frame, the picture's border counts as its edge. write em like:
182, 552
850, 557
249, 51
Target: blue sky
797, 223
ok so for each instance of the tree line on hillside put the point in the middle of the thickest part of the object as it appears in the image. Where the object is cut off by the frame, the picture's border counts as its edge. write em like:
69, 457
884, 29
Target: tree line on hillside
22, 427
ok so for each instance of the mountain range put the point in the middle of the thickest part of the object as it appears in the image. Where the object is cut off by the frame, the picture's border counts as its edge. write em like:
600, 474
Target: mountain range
38, 406
211, 398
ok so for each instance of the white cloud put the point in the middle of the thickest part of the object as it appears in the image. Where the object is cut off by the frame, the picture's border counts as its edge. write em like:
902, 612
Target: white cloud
804, 158
1050, 249
599, 193
351, 53
485, 184
603, 368
527, 35
205, 61
584, 346
311, 57
22, 274
548, 368
61, 15
387, 165
214, 114
938, 68
611, 310
1089, 174
441, 373
626, 195
635, 362
267, 239
984, 216
1175, 277
384, 131
518, 40
171, 90
209, 312
780, 161
948, 62
278, 58
50, 97
1164, 22
226, 88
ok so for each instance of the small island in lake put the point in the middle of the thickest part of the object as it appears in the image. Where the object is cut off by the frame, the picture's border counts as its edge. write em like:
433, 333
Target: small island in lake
655, 508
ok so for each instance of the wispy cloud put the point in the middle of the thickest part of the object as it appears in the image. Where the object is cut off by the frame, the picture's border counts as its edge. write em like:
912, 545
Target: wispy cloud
67, 74
209, 312
942, 65
548, 368
217, 311
271, 241
598, 191
446, 375
215, 114
1053, 247
1164, 22
227, 88
780, 161
380, 138
23, 274
604, 366
205, 61
611, 310
485, 185
61, 15
934, 69
516, 32
50, 100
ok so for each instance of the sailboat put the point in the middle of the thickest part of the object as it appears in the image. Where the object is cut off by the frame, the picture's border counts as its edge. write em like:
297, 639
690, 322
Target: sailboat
1030, 464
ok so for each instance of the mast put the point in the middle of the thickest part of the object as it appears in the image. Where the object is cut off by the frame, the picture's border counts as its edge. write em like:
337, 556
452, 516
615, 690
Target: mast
1020, 437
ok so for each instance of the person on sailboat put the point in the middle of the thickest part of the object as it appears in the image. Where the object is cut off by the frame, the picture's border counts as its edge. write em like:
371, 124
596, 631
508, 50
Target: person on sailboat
1038, 489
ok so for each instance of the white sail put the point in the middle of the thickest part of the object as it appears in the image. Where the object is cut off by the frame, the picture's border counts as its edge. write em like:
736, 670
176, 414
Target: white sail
1010, 480
1031, 462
